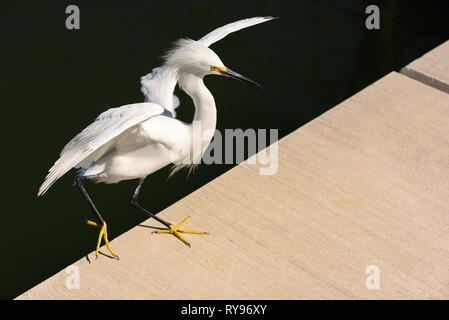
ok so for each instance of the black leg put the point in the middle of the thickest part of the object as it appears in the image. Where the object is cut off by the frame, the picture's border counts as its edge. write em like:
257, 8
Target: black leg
135, 204
79, 182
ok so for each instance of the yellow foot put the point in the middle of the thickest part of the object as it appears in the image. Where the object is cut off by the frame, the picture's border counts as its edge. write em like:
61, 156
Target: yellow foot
103, 234
176, 230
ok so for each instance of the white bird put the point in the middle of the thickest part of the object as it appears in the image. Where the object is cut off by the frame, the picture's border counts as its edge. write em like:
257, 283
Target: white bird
135, 140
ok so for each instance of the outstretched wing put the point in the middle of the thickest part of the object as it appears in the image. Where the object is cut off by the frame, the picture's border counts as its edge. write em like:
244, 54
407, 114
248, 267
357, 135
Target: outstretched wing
158, 87
91, 143
222, 32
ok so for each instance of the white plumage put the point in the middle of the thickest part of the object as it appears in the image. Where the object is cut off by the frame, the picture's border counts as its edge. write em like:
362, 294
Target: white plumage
98, 138
135, 140
158, 87
222, 32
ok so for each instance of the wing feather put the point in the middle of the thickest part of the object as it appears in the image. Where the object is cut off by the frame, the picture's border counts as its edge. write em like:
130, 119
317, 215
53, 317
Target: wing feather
223, 31
93, 138
158, 87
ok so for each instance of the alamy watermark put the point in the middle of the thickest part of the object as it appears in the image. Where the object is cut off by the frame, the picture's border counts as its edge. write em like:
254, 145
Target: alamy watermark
210, 147
373, 20
73, 280
372, 282
73, 20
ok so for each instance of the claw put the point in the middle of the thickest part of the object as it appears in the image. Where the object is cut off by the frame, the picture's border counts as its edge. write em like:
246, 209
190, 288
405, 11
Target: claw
102, 235
176, 230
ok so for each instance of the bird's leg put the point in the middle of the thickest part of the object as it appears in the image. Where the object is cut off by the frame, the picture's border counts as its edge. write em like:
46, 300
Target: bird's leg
171, 229
79, 182
136, 205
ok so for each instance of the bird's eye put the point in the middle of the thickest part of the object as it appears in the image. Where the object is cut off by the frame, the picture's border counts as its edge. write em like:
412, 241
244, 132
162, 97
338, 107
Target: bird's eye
214, 68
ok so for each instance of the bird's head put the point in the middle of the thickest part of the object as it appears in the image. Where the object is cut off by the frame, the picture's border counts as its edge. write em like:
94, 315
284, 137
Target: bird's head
190, 57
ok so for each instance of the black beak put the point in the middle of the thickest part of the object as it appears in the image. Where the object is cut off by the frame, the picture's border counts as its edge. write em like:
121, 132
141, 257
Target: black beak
232, 74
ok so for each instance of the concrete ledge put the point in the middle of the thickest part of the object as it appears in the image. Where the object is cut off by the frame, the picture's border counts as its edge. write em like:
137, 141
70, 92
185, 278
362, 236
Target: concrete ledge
432, 68
366, 183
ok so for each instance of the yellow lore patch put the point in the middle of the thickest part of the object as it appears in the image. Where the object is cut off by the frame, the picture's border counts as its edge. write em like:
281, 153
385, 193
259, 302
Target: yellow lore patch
216, 69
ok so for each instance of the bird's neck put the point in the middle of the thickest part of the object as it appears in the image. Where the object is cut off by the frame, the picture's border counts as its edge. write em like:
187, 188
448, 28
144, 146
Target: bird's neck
205, 110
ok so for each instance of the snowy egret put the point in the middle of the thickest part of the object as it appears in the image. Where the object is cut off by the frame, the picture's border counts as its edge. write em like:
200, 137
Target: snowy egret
135, 140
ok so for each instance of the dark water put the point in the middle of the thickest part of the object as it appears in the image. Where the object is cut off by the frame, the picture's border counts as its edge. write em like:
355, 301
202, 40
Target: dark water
54, 82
